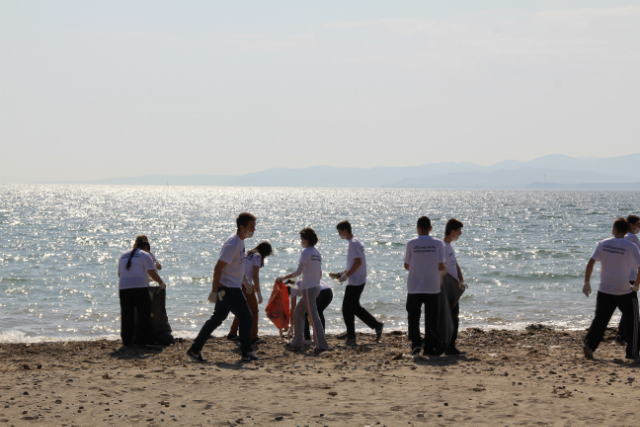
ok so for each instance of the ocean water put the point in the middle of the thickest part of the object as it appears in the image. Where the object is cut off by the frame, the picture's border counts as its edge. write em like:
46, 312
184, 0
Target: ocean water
523, 253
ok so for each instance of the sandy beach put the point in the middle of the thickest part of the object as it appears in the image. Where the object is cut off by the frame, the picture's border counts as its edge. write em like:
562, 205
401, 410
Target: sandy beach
537, 376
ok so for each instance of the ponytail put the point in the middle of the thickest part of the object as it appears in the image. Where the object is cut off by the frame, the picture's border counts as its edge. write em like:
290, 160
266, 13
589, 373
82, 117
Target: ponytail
140, 240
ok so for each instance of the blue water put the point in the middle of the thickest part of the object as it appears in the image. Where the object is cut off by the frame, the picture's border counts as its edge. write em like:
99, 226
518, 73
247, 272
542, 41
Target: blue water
523, 253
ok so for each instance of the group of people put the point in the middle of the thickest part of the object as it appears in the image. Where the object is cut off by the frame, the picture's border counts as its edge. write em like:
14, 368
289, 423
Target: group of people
236, 288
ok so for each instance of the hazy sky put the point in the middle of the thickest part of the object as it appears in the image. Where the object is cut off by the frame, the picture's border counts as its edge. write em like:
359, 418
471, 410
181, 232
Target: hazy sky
98, 89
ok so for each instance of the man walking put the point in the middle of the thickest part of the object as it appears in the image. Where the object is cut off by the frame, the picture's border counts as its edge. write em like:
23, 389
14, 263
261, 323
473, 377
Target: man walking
424, 258
618, 256
227, 293
356, 273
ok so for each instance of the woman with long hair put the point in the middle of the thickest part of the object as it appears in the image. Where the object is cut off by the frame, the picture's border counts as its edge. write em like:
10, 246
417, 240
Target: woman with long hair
310, 266
251, 288
133, 267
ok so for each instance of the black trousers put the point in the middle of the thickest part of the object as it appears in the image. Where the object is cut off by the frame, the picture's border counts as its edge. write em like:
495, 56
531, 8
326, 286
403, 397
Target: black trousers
235, 302
130, 301
622, 331
351, 309
431, 313
455, 314
606, 304
322, 302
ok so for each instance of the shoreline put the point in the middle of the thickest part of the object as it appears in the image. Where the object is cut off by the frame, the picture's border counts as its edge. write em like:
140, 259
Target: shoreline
509, 377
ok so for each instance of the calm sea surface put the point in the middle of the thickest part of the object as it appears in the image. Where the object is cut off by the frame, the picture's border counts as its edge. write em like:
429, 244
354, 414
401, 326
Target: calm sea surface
523, 253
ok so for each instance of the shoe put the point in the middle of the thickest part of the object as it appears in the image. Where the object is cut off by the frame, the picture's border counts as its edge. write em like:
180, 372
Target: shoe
307, 342
249, 357
232, 337
319, 351
196, 357
454, 352
379, 332
292, 347
257, 341
351, 341
588, 353
342, 336
416, 353
620, 341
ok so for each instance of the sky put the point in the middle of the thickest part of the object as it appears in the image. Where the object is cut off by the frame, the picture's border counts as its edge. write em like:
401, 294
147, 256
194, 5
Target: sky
94, 89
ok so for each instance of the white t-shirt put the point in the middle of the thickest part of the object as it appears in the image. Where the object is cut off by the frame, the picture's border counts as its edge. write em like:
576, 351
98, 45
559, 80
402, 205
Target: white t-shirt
153, 257
618, 257
424, 254
356, 250
451, 261
251, 261
633, 239
136, 275
311, 262
294, 291
232, 253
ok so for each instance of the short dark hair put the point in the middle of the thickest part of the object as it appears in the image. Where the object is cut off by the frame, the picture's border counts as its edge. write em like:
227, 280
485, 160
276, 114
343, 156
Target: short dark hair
622, 225
244, 219
424, 223
452, 224
632, 219
344, 226
309, 235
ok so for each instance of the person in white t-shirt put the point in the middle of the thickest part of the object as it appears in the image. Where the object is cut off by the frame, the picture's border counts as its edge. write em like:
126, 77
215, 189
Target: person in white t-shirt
322, 302
424, 258
618, 256
356, 274
634, 228
226, 291
251, 288
452, 232
133, 267
310, 266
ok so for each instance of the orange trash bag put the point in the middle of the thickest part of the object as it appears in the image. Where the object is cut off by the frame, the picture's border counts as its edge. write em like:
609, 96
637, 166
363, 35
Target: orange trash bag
278, 306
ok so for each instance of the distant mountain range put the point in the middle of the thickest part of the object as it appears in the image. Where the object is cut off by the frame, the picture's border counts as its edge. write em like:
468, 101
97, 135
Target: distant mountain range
549, 172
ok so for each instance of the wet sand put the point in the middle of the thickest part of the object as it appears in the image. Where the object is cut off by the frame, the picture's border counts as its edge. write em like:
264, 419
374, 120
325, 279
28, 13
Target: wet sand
538, 376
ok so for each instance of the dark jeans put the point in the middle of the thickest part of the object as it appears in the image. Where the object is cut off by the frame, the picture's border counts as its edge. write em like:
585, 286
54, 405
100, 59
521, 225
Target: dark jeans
323, 301
622, 331
606, 304
233, 301
130, 301
431, 313
351, 309
455, 314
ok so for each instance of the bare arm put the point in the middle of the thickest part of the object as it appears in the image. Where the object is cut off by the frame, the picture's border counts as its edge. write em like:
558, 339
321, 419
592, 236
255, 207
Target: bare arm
217, 274
256, 278
154, 275
443, 268
295, 273
459, 273
406, 266
586, 289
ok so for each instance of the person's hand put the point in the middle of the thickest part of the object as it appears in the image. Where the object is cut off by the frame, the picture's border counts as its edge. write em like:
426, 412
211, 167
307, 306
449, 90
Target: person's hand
587, 288
158, 266
464, 284
279, 279
635, 287
259, 294
213, 297
343, 278
163, 285
247, 287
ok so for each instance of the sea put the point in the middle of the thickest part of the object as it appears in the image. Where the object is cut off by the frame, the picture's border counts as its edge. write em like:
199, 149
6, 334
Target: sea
523, 253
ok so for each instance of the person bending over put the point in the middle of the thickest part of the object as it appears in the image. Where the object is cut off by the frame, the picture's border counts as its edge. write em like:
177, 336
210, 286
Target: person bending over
310, 266
618, 256
251, 288
226, 291
424, 258
356, 274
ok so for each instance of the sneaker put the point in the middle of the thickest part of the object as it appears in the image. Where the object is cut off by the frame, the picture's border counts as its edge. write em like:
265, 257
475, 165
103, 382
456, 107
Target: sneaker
416, 353
620, 341
454, 352
379, 332
257, 341
319, 351
307, 342
351, 341
290, 347
232, 337
196, 357
342, 336
588, 353
249, 357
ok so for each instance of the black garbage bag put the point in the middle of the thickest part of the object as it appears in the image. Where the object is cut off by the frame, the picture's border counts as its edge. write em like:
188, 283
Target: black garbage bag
160, 328
450, 293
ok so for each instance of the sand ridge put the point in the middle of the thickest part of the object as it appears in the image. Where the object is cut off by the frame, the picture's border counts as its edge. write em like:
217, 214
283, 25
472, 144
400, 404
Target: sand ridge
538, 376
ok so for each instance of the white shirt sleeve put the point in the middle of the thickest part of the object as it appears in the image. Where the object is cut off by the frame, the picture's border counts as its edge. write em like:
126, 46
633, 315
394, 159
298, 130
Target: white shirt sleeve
227, 253
257, 260
147, 261
407, 254
636, 257
597, 253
